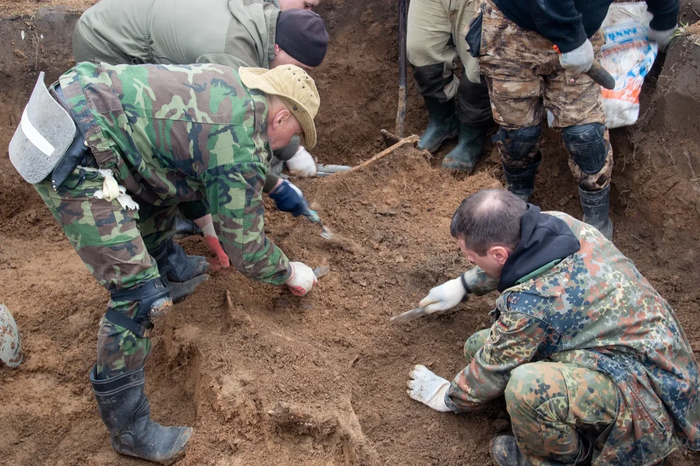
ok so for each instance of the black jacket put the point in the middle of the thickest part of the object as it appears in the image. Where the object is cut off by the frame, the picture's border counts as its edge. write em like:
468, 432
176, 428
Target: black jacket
568, 23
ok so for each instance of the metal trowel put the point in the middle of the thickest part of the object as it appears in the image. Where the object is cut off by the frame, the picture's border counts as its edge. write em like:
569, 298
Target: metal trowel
314, 218
408, 316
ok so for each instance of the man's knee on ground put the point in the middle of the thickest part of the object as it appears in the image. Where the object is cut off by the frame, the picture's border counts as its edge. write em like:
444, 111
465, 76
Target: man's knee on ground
586, 145
474, 343
531, 386
519, 143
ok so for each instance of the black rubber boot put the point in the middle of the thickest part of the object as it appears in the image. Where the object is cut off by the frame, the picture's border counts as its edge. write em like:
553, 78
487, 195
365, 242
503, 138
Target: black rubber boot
443, 124
127, 414
181, 273
596, 209
467, 152
184, 228
522, 183
505, 452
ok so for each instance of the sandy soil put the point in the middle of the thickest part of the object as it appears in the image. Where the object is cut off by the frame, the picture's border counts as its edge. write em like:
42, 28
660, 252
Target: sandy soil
269, 379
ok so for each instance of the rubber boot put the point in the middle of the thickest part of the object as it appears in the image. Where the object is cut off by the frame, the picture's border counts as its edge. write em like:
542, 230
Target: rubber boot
184, 228
505, 452
181, 273
522, 183
467, 152
127, 414
596, 209
443, 124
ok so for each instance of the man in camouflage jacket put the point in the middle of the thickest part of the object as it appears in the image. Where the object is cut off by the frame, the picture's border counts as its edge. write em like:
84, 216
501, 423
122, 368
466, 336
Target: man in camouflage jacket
236, 33
160, 135
593, 362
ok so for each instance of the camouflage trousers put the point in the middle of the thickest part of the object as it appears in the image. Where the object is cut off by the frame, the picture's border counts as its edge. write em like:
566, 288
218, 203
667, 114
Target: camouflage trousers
109, 241
558, 411
525, 79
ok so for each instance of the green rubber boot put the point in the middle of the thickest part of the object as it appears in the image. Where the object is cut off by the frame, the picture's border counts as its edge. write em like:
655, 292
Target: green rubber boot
127, 414
467, 152
443, 124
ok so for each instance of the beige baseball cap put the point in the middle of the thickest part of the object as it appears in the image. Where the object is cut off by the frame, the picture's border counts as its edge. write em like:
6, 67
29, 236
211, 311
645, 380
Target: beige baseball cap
295, 88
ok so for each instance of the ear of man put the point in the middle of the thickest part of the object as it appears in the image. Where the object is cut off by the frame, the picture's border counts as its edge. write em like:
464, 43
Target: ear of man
499, 253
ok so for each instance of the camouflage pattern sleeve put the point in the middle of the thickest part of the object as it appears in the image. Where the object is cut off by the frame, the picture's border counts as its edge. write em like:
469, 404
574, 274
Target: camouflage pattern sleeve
478, 282
234, 192
514, 339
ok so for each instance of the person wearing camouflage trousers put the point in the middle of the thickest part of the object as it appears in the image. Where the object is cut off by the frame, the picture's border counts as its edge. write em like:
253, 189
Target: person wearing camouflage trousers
517, 43
434, 41
593, 363
169, 134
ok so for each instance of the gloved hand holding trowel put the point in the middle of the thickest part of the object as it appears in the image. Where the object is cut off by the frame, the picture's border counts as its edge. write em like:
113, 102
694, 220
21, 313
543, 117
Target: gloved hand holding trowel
290, 199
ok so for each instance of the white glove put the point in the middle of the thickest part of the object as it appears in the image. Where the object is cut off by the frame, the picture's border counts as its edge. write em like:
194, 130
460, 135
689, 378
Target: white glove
444, 297
661, 37
302, 164
428, 388
579, 60
302, 279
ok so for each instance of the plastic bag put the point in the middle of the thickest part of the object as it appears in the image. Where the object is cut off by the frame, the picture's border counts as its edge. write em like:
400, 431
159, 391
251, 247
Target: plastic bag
627, 55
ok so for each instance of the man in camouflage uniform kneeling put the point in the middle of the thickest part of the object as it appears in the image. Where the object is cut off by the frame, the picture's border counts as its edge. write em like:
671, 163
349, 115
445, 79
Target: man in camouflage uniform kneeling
155, 136
593, 363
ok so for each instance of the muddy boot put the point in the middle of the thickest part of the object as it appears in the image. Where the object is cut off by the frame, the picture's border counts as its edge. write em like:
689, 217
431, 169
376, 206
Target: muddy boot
596, 209
127, 414
505, 452
442, 124
522, 182
181, 273
466, 153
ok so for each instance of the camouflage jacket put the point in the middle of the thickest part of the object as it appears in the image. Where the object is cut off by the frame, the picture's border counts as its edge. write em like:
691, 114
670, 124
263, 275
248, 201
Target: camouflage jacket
180, 133
595, 310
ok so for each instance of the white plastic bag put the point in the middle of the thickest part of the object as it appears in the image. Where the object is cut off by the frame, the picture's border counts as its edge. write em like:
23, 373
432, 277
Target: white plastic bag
627, 55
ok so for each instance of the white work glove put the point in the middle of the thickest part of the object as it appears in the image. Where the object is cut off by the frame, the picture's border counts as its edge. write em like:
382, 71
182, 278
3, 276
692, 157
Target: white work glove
302, 164
579, 60
662, 38
302, 279
444, 297
428, 388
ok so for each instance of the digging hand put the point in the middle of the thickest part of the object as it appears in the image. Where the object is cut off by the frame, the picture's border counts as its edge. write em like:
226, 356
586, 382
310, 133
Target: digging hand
302, 278
579, 60
444, 297
302, 164
662, 38
428, 388
290, 199
207, 226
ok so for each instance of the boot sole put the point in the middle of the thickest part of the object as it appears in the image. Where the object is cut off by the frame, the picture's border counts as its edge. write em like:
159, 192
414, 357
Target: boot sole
437, 146
184, 442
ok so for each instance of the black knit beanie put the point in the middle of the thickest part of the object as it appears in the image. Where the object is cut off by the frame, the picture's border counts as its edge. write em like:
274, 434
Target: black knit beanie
302, 34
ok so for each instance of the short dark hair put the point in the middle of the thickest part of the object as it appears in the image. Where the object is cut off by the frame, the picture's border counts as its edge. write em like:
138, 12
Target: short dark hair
489, 218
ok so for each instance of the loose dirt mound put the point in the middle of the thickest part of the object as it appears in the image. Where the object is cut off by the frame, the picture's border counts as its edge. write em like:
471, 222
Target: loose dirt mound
266, 378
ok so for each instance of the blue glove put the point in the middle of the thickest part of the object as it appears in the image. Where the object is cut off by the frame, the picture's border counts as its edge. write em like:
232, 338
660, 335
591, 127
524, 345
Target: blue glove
290, 199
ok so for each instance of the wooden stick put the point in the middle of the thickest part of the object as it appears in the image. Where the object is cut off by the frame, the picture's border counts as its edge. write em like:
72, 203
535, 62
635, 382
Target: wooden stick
409, 140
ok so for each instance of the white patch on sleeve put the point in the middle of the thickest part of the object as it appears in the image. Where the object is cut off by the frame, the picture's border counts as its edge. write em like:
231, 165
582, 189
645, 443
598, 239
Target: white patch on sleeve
34, 136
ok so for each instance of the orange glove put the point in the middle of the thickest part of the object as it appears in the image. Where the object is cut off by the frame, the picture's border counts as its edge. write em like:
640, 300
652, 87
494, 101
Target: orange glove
207, 225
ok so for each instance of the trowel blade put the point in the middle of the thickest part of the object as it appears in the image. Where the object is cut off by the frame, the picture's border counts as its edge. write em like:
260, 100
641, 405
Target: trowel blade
408, 316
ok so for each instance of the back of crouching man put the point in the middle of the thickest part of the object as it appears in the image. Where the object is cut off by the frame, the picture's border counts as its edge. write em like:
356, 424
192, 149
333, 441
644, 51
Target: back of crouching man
592, 361
154, 136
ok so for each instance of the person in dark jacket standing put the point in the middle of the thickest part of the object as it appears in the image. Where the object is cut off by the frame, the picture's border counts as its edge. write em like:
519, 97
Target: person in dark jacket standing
534, 56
